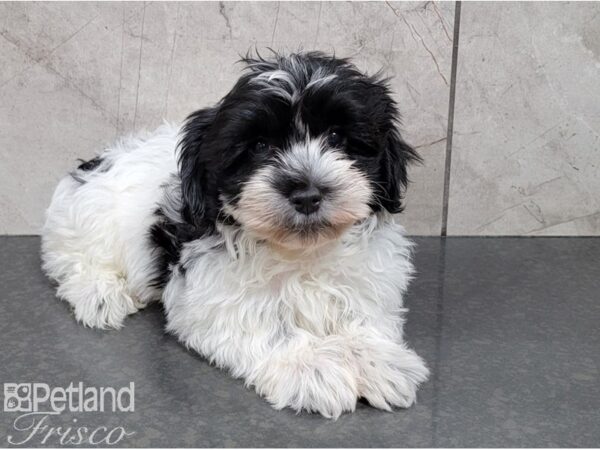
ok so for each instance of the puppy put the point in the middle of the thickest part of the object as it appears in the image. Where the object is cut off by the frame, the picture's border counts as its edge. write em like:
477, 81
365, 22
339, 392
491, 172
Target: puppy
264, 226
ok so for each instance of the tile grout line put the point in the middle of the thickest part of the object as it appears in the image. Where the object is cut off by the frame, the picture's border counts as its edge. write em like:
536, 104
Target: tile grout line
118, 126
137, 90
438, 336
171, 60
450, 131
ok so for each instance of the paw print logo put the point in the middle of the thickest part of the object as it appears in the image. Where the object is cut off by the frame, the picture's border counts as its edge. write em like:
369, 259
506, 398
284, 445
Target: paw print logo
17, 397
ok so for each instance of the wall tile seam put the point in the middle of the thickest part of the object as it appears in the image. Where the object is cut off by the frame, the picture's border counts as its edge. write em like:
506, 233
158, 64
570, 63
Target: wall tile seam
450, 122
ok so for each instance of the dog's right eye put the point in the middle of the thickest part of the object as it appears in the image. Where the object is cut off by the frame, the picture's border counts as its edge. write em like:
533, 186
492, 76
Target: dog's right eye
261, 146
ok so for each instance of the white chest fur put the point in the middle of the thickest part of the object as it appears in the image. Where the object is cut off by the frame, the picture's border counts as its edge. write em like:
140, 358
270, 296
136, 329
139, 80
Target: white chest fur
233, 284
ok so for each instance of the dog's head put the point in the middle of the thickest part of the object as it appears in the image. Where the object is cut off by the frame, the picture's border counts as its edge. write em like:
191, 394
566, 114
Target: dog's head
303, 147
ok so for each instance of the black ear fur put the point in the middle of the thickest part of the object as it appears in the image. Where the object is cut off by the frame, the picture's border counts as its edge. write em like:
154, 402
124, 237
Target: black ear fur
198, 185
396, 156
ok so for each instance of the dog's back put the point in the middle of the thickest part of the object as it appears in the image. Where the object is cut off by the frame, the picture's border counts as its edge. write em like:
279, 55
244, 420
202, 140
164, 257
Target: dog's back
94, 238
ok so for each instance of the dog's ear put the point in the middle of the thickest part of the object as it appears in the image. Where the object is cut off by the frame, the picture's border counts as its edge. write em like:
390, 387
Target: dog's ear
198, 184
396, 156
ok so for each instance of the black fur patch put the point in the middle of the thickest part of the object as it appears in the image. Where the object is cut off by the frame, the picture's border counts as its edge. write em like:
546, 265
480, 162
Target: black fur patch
88, 166
92, 164
167, 238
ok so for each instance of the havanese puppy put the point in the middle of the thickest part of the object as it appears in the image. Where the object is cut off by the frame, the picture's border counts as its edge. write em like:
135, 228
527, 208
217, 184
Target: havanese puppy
264, 225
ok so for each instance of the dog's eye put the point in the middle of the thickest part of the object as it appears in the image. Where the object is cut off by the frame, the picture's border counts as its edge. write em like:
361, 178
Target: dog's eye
334, 139
261, 145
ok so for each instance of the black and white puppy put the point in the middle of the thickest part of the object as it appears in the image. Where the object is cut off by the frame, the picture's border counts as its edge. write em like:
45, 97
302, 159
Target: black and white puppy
264, 226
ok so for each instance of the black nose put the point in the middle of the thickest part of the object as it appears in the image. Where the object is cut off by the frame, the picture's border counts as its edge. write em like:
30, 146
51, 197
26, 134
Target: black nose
306, 200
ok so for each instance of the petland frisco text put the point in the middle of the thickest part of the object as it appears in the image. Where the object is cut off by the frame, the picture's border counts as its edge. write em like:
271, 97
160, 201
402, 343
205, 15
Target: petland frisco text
37, 402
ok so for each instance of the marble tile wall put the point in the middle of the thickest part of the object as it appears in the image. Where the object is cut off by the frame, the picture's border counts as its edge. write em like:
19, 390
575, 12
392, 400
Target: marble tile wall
526, 145
74, 76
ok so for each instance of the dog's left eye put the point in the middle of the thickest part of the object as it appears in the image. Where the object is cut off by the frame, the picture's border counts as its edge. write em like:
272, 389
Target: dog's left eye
334, 139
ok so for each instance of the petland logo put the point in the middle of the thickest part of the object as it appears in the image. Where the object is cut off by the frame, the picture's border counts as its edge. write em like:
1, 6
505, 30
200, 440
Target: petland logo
36, 402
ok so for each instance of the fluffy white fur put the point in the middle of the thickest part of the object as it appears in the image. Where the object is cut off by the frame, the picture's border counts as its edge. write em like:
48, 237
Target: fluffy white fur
308, 329
94, 240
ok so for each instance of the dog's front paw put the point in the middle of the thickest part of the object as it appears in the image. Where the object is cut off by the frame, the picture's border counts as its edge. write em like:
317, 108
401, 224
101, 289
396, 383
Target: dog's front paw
392, 382
321, 380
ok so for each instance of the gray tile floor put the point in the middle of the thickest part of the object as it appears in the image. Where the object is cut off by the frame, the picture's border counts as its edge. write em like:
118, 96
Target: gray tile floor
510, 328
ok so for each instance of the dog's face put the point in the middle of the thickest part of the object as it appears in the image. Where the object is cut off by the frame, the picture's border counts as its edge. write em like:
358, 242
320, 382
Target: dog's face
302, 147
